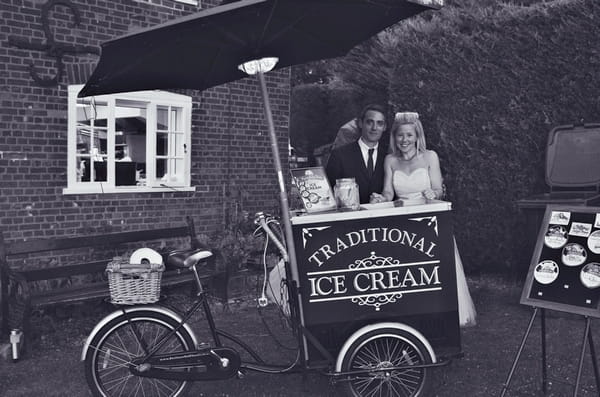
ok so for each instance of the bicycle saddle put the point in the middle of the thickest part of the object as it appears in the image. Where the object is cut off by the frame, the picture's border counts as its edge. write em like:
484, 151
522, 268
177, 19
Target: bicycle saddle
187, 258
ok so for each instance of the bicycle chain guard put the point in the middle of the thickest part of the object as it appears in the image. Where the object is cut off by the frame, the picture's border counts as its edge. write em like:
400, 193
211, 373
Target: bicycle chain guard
215, 363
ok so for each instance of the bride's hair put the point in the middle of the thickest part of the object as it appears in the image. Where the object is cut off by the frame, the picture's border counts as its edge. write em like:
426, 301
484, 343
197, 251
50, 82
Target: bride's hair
411, 118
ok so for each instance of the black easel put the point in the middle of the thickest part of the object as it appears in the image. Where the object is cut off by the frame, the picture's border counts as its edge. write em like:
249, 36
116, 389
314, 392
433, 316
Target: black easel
587, 335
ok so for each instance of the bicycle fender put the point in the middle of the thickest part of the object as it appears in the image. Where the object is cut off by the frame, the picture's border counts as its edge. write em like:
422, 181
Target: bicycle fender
117, 313
371, 327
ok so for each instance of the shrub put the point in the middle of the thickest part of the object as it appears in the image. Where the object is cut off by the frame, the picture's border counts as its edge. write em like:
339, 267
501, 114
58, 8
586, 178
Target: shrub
319, 110
490, 79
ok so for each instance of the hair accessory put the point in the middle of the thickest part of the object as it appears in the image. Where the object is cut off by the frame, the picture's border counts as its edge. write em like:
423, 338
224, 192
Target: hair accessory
406, 117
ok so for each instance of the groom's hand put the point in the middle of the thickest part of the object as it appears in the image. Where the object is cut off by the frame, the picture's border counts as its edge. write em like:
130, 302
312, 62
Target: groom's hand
376, 198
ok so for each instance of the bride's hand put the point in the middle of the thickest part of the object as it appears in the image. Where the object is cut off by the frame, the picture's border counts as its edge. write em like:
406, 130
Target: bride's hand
429, 194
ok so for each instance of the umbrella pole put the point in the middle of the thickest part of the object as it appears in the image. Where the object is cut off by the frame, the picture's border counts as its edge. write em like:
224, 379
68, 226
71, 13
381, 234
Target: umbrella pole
283, 199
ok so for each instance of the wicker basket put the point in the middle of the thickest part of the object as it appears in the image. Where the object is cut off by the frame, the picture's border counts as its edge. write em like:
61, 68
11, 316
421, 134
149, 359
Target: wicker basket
133, 284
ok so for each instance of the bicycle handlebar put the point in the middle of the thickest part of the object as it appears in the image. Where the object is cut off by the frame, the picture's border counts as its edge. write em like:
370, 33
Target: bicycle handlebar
261, 220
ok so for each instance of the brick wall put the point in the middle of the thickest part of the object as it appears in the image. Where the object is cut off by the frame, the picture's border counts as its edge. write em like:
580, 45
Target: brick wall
232, 166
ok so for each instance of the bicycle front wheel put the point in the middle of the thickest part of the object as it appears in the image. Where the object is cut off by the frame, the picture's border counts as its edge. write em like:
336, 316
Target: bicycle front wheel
384, 348
116, 345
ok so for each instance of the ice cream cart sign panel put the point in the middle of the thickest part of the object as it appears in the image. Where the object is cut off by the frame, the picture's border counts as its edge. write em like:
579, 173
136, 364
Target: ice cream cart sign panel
565, 269
376, 267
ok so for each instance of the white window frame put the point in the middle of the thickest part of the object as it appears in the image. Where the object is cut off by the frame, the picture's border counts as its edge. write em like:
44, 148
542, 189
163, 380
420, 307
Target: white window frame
191, 2
153, 100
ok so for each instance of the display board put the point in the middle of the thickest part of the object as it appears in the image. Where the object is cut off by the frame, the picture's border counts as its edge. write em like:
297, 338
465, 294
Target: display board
564, 273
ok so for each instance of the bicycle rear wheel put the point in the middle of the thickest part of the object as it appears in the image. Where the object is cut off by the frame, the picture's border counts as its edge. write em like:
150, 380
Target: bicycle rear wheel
115, 346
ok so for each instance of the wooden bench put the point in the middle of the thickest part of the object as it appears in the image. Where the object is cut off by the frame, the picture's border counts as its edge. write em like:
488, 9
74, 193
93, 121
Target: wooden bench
19, 292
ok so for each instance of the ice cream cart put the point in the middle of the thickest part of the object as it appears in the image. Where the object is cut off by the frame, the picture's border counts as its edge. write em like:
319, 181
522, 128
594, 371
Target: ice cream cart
374, 274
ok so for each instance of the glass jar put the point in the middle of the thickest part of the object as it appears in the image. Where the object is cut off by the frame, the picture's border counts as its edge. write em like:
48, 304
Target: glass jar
346, 194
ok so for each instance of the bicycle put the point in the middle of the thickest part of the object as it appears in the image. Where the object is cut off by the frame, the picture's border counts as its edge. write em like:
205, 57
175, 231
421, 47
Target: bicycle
151, 350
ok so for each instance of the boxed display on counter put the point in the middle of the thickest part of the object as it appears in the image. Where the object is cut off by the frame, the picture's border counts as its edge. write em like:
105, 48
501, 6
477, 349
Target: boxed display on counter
314, 189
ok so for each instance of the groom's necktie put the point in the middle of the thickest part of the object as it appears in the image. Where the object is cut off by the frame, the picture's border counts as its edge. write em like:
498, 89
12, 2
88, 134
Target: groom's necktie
370, 167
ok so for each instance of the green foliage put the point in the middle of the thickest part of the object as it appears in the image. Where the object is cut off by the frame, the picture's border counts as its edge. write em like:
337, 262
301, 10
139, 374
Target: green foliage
490, 80
319, 110
235, 243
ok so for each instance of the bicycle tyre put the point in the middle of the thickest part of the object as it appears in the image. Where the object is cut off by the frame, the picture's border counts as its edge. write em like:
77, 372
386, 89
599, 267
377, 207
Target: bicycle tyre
383, 347
114, 345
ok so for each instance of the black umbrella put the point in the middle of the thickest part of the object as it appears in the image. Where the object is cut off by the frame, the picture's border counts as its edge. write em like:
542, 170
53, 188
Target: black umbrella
227, 42
204, 49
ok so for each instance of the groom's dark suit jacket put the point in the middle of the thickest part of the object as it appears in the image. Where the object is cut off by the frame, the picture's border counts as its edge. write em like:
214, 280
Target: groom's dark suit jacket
347, 162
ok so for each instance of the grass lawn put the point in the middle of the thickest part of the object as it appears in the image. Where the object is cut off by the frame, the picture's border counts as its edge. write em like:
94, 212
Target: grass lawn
52, 366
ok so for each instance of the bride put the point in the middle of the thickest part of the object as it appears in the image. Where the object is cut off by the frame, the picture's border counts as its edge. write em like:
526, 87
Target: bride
412, 172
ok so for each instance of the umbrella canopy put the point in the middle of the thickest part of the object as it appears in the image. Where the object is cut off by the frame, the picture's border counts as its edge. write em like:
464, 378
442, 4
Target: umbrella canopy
204, 49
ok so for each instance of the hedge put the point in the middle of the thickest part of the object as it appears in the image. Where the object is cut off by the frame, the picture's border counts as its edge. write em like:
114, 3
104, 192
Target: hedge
490, 80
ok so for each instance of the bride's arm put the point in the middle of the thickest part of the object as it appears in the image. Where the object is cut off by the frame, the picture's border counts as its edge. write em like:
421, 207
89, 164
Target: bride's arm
388, 190
435, 176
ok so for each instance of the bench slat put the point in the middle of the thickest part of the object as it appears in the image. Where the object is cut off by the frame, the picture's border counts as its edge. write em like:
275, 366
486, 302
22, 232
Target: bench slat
97, 290
65, 271
70, 295
41, 245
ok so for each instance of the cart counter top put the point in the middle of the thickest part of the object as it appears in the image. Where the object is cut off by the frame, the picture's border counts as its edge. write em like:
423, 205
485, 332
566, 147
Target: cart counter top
372, 211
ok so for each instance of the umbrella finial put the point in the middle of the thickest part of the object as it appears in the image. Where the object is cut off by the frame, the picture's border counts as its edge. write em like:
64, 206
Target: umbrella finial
258, 65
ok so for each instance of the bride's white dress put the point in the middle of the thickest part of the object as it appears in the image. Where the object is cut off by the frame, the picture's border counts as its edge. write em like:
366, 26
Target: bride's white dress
410, 186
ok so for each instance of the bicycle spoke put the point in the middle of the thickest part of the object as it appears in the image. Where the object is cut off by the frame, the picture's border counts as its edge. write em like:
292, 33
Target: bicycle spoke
115, 353
159, 382
119, 384
378, 354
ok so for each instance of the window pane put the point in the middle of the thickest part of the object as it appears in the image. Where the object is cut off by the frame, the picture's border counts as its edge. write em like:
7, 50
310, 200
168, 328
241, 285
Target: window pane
84, 141
162, 144
161, 169
130, 143
99, 171
81, 169
91, 112
176, 170
162, 121
178, 140
91, 127
99, 142
176, 124
85, 173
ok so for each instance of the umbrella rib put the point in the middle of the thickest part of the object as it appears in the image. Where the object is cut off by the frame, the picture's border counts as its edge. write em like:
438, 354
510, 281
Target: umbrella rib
269, 19
213, 62
229, 35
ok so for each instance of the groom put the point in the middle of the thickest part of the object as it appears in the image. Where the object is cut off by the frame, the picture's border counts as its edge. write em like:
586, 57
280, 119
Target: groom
363, 159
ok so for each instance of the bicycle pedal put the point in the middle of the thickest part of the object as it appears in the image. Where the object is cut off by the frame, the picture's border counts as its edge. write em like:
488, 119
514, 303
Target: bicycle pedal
240, 375
262, 301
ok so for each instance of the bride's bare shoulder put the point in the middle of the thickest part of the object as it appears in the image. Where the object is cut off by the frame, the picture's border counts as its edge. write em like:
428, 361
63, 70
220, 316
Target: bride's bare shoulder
390, 159
431, 155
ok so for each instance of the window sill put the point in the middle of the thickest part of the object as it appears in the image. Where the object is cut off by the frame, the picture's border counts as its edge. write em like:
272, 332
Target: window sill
133, 189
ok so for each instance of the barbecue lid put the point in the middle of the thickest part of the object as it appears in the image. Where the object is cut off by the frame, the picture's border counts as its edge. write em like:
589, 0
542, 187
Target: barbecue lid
573, 156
